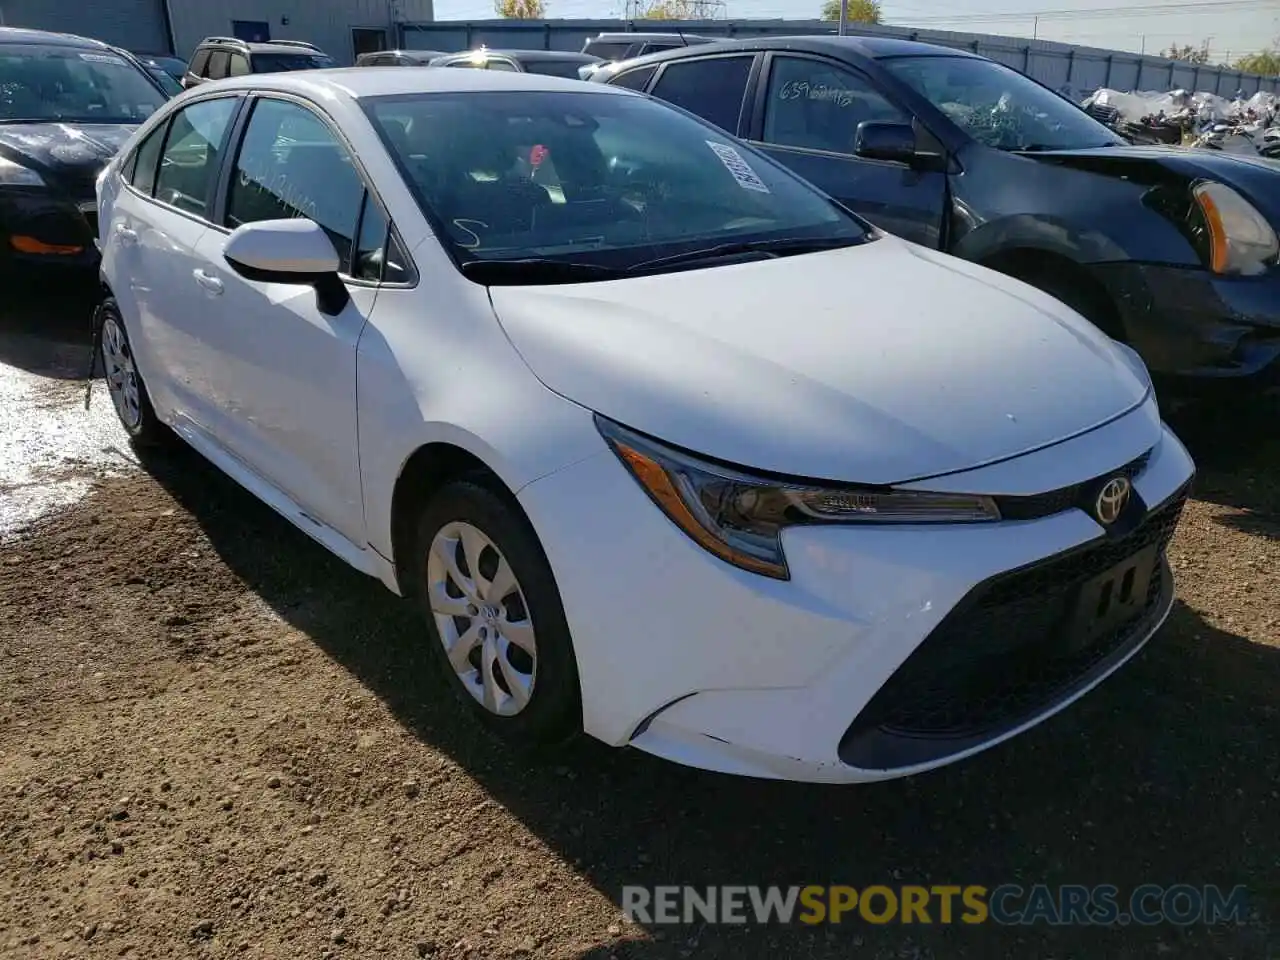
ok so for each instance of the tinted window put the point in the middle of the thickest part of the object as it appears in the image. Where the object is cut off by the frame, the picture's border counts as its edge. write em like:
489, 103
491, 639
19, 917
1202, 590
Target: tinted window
555, 68
652, 47
42, 83
291, 165
607, 50
634, 79
613, 180
818, 105
239, 65
711, 88
143, 164
218, 64
191, 155
199, 62
283, 62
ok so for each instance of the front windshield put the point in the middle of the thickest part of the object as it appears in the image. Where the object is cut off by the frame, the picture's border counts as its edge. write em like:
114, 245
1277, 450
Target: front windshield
51, 83
284, 62
590, 177
998, 106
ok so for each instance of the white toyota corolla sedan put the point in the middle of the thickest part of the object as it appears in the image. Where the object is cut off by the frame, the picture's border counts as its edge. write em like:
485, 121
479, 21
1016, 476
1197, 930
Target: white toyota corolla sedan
668, 446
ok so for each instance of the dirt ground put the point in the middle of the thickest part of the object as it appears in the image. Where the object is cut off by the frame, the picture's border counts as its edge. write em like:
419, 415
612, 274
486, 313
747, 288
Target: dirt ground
218, 741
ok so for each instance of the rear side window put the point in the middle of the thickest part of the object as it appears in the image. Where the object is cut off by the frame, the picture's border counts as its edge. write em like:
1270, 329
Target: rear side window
712, 88
607, 50
634, 79
291, 165
239, 65
199, 62
218, 64
142, 166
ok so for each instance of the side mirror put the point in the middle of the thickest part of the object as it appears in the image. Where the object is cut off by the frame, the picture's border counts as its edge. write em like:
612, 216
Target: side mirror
879, 140
289, 251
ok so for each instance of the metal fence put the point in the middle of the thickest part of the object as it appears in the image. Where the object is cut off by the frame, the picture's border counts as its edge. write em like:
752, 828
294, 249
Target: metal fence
1074, 71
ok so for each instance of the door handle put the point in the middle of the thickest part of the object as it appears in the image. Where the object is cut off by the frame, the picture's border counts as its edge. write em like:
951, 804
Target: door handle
126, 234
208, 281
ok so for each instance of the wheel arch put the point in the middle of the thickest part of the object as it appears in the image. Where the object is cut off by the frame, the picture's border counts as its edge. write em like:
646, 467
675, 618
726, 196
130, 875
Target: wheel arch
425, 471
1064, 278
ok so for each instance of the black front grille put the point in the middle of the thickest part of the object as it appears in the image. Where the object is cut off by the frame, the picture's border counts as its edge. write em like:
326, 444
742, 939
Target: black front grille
1006, 653
1064, 498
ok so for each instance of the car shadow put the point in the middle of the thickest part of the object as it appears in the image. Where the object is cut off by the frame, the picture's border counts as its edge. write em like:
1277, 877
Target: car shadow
45, 324
1168, 773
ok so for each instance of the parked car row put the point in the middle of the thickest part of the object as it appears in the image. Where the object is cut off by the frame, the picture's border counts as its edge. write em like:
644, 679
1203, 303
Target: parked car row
662, 394
667, 445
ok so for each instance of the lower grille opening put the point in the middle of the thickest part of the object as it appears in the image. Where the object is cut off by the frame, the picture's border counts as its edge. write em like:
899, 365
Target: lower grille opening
1016, 645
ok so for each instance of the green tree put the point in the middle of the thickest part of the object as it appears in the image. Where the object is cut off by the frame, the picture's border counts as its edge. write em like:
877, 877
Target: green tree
520, 9
1188, 53
679, 10
1264, 62
860, 11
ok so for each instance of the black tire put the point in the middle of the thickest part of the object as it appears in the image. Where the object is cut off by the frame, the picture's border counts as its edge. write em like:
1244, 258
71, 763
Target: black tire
553, 714
145, 429
1080, 296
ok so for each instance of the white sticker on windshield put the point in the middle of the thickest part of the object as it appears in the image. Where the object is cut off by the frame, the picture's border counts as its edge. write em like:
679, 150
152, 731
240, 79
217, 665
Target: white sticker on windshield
102, 58
741, 170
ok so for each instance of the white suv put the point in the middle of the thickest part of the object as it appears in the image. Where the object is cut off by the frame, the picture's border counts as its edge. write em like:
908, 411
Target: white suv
666, 444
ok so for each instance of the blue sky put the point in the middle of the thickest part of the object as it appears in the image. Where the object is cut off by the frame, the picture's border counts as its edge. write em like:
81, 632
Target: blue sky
1233, 27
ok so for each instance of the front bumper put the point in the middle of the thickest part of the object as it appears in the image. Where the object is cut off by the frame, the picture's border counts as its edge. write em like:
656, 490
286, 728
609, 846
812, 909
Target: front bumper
43, 228
1193, 325
691, 659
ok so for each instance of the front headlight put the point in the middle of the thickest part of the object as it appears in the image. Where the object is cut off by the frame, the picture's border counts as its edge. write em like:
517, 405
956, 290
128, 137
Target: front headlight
740, 517
1240, 240
16, 175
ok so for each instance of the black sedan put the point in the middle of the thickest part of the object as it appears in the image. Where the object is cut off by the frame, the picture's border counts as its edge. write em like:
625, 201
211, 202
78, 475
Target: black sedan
1169, 249
66, 106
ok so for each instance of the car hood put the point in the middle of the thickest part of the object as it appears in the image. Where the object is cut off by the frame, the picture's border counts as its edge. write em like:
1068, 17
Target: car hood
1258, 178
878, 363
70, 153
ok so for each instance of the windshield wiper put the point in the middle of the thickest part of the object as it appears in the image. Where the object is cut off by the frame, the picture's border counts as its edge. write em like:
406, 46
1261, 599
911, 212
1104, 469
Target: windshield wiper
788, 246
535, 270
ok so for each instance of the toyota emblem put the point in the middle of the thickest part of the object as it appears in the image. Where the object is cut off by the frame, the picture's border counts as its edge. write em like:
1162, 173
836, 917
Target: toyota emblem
1112, 499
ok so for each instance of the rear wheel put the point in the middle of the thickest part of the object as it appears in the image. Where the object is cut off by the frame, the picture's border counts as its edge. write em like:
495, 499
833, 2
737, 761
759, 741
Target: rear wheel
124, 382
493, 615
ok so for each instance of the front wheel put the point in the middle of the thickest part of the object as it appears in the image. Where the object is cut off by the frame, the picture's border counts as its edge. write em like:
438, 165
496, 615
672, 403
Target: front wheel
494, 616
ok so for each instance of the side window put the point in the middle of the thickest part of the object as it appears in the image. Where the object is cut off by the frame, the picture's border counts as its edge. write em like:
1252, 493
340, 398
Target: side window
290, 164
198, 63
818, 105
192, 154
712, 88
141, 172
239, 65
497, 64
377, 255
464, 62
634, 79
218, 65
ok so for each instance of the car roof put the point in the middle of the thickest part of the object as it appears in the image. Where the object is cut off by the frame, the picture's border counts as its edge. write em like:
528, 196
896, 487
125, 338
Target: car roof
620, 36
361, 82
869, 48
22, 35
529, 55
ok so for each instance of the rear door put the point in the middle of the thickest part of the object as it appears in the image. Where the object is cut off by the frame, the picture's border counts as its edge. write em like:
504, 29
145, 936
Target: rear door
155, 226
712, 87
806, 115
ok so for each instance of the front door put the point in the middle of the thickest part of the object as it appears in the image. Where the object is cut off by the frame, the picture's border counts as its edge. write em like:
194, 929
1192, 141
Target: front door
807, 115
286, 370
